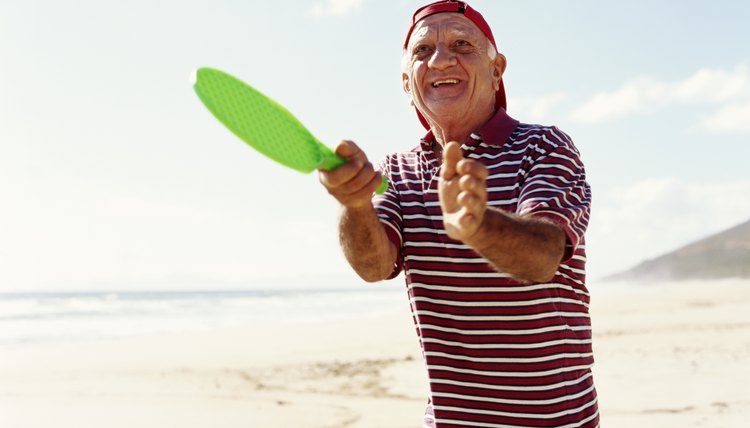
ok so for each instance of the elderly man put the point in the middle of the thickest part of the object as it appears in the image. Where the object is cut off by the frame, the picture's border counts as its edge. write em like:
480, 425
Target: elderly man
486, 218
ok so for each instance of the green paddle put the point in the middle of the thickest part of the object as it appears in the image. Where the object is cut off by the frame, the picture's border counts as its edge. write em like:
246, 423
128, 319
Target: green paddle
264, 124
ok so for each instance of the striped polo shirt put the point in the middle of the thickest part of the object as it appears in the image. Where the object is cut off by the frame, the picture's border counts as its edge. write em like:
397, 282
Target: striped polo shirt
500, 352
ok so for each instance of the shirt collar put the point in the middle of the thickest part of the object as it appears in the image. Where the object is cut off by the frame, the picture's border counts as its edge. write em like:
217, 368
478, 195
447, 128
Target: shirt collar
495, 132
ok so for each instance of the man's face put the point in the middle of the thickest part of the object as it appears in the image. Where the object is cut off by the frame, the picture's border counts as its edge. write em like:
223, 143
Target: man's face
448, 72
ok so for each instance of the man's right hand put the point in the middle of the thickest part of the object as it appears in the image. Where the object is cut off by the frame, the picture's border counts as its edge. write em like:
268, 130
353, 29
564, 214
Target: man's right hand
353, 183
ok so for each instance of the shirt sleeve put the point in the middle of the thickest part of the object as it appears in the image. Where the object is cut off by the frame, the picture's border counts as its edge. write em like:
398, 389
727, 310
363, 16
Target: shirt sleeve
556, 189
388, 209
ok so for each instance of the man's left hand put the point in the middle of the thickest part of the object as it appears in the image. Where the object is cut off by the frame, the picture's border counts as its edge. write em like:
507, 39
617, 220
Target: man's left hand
463, 193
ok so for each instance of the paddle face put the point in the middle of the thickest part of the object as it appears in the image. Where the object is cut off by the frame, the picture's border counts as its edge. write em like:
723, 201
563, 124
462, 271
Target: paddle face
259, 121
264, 124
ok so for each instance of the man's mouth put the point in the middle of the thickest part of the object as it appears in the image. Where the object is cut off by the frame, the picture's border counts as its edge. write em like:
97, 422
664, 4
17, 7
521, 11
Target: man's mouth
443, 82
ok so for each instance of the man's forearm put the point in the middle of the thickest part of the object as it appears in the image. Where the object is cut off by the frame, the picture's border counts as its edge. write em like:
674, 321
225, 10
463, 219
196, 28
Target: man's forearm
365, 243
527, 248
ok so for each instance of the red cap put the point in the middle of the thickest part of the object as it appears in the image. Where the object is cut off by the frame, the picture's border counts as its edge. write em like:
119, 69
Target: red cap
475, 17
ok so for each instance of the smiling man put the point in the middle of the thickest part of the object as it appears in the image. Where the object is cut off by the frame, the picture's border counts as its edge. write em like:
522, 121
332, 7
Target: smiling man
486, 218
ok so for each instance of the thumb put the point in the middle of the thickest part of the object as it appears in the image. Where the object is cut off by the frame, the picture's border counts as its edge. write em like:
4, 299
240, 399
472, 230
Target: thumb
348, 149
451, 156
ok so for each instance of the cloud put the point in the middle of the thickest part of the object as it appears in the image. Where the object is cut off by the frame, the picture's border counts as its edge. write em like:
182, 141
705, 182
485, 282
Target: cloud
335, 7
633, 97
535, 109
729, 89
657, 215
712, 86
732, 119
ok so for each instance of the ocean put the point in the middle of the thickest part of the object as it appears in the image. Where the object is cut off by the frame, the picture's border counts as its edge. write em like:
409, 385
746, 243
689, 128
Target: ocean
39, 318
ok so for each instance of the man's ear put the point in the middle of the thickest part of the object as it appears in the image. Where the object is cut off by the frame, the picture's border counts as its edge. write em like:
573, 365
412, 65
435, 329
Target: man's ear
405, 83
407, 87
498, 65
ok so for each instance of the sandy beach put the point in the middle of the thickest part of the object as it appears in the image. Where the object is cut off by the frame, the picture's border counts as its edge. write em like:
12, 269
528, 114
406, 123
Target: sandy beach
670, 355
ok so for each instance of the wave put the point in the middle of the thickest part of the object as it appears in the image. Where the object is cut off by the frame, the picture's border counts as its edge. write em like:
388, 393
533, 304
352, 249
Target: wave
43, 317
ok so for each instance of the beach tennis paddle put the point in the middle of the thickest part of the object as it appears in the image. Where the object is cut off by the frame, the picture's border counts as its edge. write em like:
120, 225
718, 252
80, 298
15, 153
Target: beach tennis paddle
264, 124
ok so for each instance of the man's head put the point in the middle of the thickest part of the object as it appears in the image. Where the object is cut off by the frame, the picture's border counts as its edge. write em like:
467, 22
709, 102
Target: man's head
451, 67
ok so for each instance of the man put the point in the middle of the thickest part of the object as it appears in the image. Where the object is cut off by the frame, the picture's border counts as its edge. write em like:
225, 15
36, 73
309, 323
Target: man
486, 218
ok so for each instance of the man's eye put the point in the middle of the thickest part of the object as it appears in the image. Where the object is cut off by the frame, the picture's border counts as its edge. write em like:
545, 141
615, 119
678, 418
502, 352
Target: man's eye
461, 43
422, 51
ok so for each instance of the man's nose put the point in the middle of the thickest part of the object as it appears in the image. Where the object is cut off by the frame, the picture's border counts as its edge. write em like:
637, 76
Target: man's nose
442, 58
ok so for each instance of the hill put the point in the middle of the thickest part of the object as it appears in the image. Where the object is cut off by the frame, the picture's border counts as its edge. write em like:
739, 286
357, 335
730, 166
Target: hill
723, 255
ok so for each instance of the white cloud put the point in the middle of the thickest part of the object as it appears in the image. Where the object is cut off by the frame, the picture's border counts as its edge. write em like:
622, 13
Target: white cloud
657, 215
712, 86
635, 96
335, 7
729, 89
535, 109
731, 119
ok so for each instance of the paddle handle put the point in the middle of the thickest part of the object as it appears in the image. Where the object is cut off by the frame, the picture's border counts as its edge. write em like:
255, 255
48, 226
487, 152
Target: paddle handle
332, 161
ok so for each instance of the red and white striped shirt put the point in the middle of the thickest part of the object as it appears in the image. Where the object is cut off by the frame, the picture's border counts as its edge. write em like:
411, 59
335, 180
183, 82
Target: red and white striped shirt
499, 352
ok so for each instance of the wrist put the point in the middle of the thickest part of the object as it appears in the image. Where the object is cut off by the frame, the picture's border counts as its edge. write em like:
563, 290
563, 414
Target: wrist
487, 233
358, 209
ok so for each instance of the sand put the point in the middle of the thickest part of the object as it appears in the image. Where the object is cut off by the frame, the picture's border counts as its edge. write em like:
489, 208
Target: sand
671, 355
675, 355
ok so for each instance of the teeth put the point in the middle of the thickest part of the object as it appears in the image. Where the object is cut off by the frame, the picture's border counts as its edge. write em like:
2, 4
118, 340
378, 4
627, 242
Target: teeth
444, 82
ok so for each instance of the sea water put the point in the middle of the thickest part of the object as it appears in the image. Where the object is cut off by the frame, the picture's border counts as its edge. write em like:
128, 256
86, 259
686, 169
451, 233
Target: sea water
28, 318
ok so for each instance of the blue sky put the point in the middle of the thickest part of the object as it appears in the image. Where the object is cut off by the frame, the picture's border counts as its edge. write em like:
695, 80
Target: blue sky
114, 176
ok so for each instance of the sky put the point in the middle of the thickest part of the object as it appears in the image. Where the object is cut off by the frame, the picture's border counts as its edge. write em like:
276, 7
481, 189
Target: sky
113, 176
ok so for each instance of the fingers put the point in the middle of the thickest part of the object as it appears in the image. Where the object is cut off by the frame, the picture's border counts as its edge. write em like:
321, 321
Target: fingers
472, 196
467, 220
463, 193
356, 162
473, 168
473, 203
362, 179
345, 173
354, 182
474, 184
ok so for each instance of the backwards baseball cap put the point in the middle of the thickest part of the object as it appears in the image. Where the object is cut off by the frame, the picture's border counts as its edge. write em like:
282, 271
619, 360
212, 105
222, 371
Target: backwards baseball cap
475, 17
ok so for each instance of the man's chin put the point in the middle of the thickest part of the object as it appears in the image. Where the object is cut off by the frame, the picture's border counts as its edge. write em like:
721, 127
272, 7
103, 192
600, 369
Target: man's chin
444, 102
446, 110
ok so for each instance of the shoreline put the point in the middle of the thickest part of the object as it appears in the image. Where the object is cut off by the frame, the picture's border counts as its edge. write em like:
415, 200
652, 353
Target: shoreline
669, 356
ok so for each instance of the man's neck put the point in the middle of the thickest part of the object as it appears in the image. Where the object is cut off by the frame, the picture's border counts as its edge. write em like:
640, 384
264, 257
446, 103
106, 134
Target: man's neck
458, 130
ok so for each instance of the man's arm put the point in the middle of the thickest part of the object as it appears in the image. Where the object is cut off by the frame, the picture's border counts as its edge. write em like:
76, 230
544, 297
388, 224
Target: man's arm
363, 239
525, 247
366, 246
